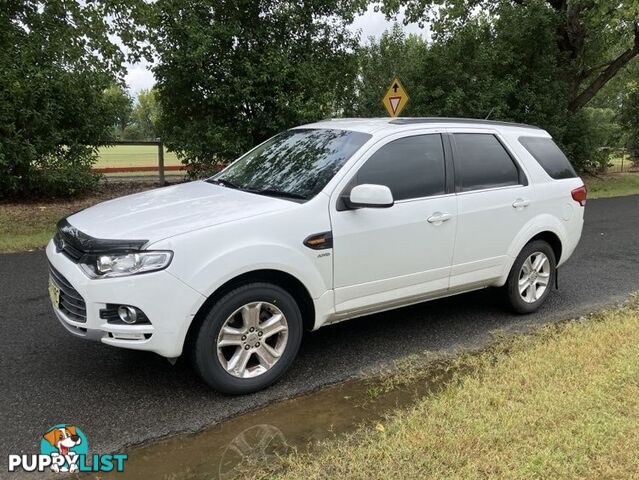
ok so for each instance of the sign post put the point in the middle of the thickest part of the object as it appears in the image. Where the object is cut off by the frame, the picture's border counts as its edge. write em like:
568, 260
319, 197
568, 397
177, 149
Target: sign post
395, 99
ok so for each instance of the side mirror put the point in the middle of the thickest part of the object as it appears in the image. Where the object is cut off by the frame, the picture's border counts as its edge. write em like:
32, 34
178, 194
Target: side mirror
370, 196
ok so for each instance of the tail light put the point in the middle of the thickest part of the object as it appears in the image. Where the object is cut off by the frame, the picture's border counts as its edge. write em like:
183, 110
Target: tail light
579, 195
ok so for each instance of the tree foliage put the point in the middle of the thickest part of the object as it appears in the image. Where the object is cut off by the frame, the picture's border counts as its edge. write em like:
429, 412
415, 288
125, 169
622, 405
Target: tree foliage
59, 64
146, 113
143, 121
122, 103
231, 74
595, 39
507, 59
395, 54
630, 120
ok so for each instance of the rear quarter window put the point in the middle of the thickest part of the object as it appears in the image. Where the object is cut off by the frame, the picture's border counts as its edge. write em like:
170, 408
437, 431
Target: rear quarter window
549, 156
482, 162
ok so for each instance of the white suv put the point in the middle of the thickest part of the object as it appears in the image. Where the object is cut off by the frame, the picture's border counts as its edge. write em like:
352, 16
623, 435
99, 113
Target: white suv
319, 224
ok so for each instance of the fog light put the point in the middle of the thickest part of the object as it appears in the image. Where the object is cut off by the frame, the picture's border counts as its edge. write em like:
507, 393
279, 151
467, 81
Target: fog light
127, 314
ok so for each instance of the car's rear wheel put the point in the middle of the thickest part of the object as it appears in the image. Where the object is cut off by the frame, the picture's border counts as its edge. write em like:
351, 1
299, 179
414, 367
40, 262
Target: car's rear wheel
248, 339
531, 277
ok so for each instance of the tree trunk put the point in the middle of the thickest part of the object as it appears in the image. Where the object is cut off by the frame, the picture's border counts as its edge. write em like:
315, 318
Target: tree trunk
571, 44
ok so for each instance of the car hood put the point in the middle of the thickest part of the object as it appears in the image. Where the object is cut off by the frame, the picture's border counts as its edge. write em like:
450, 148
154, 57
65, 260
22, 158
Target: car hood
165, 212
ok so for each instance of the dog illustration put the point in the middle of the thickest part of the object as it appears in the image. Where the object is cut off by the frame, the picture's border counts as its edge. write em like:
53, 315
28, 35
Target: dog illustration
63, 439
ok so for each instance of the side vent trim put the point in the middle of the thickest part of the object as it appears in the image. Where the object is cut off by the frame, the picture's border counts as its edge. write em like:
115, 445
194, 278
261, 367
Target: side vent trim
319, 241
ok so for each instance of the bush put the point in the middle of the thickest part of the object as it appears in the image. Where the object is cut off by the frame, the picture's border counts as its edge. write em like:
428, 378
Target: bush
132, 132
59, 63
583, 140
64, 173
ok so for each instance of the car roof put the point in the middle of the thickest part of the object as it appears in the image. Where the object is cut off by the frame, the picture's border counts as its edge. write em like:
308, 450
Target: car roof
372, 125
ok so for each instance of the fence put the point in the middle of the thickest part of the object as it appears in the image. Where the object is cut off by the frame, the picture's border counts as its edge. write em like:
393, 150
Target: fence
158, 165
619, 161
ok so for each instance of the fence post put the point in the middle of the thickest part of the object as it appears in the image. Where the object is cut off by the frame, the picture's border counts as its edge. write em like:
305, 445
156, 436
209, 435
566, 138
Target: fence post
161, 161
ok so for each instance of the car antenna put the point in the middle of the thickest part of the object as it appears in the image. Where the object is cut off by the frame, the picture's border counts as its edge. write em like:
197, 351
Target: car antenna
489, 113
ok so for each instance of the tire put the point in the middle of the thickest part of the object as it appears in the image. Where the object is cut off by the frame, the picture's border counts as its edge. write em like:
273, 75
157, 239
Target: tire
521, 277
218, 356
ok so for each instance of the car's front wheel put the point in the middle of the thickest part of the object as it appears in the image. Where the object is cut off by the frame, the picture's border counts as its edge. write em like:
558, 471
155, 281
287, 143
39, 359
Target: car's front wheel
531, 277
248, 339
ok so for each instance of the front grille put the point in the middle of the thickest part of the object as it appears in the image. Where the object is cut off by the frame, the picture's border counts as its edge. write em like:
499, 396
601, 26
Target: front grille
71, 302
63, 245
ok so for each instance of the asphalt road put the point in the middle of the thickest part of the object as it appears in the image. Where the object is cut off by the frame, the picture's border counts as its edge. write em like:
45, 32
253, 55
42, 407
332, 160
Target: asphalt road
119, 397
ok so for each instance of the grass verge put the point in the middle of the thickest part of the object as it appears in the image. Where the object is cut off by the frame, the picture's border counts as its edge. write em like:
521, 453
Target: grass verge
26, 226
561, 402
612, 185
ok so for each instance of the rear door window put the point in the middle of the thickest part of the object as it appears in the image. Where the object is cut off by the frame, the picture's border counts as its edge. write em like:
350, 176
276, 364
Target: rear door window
481, 162
549, 156
412, 167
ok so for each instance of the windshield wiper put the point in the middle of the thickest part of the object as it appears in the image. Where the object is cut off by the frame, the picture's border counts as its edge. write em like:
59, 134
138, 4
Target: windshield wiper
259, 191
225, 183
275, 193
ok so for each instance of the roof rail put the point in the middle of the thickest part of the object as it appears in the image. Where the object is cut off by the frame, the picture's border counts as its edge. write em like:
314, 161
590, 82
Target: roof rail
414, 120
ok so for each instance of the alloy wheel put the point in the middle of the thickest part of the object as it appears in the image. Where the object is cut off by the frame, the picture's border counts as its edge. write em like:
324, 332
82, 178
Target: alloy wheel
534, 277
252, 339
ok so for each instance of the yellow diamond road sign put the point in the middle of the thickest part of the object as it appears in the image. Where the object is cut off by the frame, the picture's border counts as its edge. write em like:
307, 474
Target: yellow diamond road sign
396, 98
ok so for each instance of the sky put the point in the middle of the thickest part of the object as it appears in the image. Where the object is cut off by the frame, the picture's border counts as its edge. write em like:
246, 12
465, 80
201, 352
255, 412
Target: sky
370, 24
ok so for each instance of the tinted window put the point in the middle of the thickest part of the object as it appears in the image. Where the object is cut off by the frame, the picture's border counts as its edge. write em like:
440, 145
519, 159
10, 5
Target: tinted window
411, 167
549, 156
297, 162
482, 162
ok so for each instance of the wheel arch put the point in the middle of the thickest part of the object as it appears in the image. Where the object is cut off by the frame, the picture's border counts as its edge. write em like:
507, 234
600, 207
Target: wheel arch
548, 231
553, 240
276, 277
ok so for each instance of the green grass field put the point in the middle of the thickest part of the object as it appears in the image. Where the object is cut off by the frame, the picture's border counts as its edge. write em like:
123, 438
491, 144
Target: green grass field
561, 403
614, 185
133, 156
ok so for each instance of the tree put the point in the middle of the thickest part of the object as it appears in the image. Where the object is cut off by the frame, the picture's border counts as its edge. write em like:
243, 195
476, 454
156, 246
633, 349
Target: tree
483, 69
58, 61
595, 39
231, 74
630, 120
146, 114
487, 68
621, 95
508, 59
379, 62
122, 105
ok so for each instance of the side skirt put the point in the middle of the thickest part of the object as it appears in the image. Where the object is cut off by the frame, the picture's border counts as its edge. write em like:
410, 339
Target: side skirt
348, 315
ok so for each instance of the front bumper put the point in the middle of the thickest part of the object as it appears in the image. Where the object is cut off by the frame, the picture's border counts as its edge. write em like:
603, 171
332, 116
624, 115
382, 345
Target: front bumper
169, 304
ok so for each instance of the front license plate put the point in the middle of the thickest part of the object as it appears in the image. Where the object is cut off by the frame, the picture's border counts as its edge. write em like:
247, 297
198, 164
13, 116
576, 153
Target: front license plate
54, 294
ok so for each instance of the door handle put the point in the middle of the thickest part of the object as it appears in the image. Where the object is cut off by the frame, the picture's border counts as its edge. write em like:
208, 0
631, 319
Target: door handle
439, 217
521, 203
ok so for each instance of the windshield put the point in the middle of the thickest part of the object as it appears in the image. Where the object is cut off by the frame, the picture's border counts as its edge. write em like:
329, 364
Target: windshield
296, 164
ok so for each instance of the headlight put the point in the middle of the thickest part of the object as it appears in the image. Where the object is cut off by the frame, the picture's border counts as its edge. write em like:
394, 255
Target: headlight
109, 265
